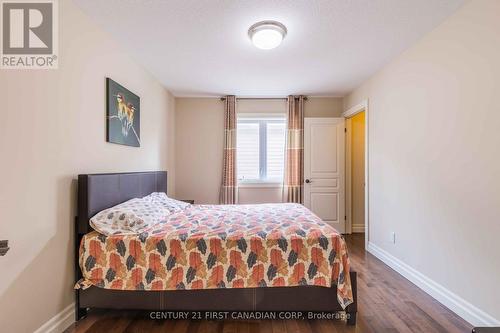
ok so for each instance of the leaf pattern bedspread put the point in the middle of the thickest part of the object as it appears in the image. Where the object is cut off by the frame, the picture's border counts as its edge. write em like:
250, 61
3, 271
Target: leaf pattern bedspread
222, 246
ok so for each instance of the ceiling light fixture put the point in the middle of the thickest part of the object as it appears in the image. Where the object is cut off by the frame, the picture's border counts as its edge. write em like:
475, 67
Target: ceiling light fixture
267, 35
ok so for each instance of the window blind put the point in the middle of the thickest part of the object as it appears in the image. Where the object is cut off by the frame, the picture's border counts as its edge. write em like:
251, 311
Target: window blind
260, 148
247, 151
275, 151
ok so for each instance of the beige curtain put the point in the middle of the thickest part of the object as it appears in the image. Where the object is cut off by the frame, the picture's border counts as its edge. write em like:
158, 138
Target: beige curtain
294, 151
228, 187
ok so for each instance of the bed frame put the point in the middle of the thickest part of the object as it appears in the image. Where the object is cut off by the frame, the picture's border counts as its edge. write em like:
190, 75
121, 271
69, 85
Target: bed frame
100, 191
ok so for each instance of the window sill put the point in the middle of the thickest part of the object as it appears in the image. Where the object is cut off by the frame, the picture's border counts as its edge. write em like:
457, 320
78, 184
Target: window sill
259, 185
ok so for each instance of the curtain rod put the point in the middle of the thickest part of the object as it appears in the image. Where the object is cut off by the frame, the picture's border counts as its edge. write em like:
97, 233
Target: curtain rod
264, 98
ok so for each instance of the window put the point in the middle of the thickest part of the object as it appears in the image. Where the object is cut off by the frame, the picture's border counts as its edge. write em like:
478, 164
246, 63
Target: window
260, 148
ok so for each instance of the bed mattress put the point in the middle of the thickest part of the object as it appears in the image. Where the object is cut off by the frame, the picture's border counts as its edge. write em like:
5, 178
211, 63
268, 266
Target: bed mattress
221, 246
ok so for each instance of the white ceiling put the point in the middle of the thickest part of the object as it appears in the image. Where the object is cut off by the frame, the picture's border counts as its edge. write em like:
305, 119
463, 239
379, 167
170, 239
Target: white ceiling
201, 47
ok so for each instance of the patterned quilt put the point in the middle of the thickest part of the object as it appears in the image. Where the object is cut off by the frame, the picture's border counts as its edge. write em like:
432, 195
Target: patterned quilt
226, 246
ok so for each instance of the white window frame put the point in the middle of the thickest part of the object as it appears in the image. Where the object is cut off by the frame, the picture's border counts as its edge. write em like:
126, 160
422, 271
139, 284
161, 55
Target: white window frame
262, 119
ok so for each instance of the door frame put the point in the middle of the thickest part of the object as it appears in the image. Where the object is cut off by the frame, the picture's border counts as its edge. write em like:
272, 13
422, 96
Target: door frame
363, 106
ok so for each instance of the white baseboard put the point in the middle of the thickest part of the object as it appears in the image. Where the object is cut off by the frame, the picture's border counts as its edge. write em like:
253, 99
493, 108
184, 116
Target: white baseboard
358, 228
60, 321
455, 303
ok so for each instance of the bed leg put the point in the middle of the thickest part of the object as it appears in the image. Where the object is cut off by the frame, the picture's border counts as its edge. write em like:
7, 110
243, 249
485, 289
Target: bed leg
80, 313
352, 309
351, 318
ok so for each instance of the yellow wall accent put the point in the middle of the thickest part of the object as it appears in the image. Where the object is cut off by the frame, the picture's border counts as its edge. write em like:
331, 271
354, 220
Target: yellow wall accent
358, 169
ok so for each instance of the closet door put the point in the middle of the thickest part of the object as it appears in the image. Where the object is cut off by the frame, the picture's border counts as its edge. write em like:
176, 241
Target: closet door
324, 169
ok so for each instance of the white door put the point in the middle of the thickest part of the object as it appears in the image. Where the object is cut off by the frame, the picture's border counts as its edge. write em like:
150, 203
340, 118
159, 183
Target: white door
324, 169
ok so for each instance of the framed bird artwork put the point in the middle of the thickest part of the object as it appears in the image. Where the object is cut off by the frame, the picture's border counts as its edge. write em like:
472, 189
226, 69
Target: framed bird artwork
123, 115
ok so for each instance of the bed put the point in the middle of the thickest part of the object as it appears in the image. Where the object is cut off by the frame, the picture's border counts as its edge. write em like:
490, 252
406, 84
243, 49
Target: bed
248, 258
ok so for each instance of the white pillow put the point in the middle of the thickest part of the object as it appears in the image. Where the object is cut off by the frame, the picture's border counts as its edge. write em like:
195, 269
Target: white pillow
162, 200
130, 217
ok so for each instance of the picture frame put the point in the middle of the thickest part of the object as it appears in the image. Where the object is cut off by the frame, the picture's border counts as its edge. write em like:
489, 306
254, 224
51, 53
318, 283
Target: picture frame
123, 115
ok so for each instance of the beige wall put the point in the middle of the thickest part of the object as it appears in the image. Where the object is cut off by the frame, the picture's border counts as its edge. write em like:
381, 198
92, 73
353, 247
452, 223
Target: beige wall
199, 140
199, 137
357, 127
257, 195
53, 128
434, 162
261, 106
323, 107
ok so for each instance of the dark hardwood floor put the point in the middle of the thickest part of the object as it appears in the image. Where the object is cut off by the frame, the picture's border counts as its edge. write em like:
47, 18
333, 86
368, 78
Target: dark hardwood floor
387, 302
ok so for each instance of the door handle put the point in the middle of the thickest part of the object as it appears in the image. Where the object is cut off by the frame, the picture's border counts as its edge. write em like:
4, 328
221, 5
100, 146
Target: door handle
308, 181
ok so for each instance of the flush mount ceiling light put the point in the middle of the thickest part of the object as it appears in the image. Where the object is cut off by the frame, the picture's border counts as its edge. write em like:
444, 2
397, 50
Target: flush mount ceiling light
267, 35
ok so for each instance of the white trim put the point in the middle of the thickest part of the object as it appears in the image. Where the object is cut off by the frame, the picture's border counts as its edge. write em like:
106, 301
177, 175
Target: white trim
257, 97
60, 321
452, 301
348, 177
363, 106
358, 228
261, 115
367, 171
356, 109
258, 184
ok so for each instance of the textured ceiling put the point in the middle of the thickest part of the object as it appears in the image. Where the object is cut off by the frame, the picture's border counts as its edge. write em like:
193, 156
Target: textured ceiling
201, 47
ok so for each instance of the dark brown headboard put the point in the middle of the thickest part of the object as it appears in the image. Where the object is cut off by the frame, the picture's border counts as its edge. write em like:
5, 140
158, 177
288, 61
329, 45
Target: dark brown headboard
100, 191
